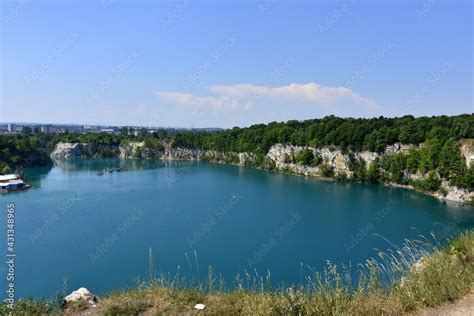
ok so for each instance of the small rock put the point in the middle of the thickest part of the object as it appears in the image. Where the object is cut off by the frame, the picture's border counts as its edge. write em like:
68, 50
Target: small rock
199, 306
81, 294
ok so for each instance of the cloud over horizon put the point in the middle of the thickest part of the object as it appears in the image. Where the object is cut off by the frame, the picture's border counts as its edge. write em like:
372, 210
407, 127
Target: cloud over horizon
246, 96
187, 99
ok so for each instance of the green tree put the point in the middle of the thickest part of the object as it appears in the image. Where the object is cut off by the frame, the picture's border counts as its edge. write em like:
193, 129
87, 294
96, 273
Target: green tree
26, 131
373, 173
451, 162
413, 159
326, 170
305, 157
430, 183
124, 131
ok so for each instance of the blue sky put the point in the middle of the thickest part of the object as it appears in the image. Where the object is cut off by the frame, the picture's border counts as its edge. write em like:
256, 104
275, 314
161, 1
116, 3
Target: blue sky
209, 63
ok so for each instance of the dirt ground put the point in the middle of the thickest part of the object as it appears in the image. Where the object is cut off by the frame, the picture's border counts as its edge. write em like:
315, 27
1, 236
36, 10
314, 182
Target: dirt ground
463, 307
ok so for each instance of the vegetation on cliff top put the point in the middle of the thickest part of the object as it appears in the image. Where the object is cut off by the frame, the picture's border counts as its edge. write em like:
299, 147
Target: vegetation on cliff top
347, 133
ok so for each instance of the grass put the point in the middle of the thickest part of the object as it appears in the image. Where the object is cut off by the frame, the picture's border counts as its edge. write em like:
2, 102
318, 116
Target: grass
408, 278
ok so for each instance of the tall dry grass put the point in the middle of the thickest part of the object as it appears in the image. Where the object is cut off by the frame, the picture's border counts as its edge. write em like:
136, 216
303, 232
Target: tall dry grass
418, 274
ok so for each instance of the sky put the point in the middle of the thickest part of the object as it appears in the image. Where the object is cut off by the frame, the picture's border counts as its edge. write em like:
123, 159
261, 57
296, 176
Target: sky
232, 63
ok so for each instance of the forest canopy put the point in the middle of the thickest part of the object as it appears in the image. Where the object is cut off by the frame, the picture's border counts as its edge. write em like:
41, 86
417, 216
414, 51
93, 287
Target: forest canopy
347, 133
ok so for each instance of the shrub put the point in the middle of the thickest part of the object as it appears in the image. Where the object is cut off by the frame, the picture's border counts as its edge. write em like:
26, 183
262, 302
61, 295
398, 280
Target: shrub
431, 183
341, 176
268, 164
464, 180
153, 143
317, 160
326, 170
231, 158
305, 157
373, 174
27, 307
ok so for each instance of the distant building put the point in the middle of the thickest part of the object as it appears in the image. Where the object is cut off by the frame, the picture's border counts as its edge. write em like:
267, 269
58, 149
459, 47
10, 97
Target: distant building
11, 182
11, 128
45, 128
107, 130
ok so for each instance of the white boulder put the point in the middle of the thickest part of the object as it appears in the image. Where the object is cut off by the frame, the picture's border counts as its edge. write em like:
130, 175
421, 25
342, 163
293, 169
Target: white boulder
81, 294
199, 306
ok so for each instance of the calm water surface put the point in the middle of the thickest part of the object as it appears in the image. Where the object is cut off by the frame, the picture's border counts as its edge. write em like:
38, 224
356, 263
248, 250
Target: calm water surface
97, 230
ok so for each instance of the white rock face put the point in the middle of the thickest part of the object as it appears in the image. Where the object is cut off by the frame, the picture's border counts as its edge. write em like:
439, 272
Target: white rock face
367, 156
299, 169
72, 150
412, 176
396, 148
138, 150
456, 194
467, 151
131, 149
244, 157
81, 294
280, 153
335, 158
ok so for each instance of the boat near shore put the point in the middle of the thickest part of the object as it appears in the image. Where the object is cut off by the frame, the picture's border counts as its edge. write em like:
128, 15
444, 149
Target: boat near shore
12, 183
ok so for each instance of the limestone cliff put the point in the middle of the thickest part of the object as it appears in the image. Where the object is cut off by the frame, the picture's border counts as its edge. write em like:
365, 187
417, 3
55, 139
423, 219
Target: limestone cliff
82, 150
280, 157
72, 150
467, 150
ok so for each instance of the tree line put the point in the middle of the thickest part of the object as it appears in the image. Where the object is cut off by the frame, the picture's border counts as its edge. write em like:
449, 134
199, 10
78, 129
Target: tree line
439, 157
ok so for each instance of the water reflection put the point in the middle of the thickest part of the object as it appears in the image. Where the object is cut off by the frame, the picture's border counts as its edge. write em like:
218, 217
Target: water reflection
35, 176
122, 164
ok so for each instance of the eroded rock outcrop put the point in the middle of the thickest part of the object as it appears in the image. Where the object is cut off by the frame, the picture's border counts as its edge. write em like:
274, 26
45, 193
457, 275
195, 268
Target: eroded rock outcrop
72, 150
367, 156
397, 148
81, 294
283, 156
467, 151
282, 153
131, 150
455, 194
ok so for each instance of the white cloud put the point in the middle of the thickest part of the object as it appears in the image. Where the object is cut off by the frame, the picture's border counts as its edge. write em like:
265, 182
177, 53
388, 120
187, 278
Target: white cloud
187, 99
308, 93
245, 96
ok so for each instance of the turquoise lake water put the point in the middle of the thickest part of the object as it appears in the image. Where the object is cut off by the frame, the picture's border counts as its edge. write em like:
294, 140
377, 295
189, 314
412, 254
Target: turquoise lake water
96, 231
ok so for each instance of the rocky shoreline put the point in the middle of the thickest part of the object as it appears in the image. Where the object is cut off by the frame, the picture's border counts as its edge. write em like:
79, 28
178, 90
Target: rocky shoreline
280, 158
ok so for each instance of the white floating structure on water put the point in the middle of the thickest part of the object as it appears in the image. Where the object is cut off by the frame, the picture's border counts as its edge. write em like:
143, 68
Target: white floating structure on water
11, 182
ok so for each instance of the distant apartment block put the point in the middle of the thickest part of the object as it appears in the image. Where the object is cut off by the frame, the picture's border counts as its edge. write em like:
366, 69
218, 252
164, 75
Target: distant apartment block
11, 128
46, 128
